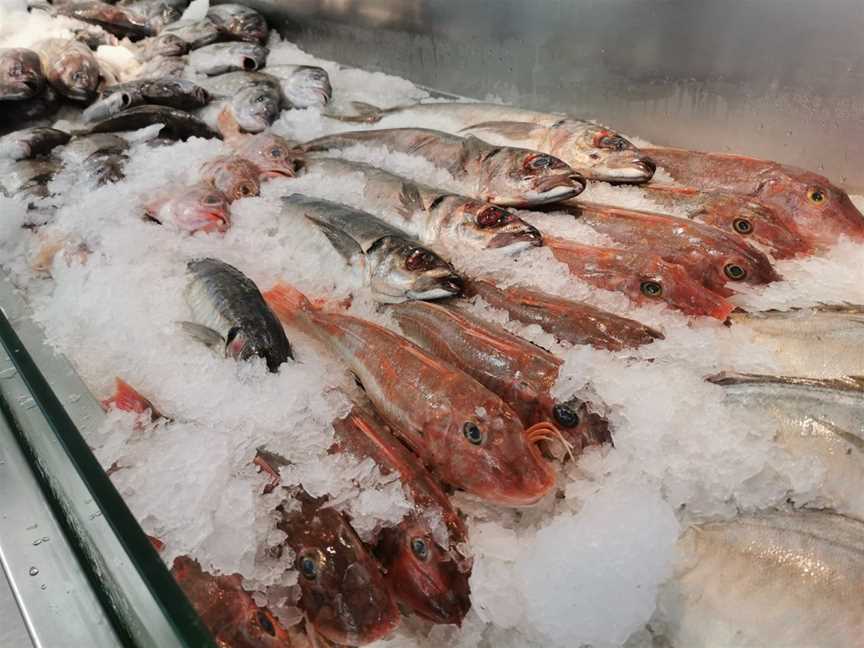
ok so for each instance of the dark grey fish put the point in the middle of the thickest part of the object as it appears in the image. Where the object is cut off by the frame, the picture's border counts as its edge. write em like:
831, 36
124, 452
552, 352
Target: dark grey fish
397, 268
302, 86
157, 13
101, 155
31, 142
70, 67
196, 33
229, 311
21, 75
29, 178
26, 112
177, 124
166, 91
219, 58
237, 22
120, 21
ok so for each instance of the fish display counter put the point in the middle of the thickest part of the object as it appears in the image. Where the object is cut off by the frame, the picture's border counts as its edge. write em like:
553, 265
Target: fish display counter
427, 324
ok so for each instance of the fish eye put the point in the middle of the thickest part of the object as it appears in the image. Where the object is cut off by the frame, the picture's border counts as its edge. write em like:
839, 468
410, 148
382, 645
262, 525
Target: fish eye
594, 156
246, 190
492, 217
651, 288
742, 226
420, 548
309, 566
472, 433
277, 152
261, 98
419, 258
611, 141
565, 416
539, 162
816, 195
735, 272
266, 624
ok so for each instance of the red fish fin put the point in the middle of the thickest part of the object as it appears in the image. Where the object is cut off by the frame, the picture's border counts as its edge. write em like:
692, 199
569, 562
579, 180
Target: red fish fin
228, 126
287, 302
126, 399
158, 545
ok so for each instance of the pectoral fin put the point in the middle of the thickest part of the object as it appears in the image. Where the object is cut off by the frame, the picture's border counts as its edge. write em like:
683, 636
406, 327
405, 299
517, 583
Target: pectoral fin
204, 334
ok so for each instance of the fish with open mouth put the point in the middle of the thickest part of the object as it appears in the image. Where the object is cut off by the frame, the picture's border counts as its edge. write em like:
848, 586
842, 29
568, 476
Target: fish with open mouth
432, 215
234, 176
500, 175
714, 258
238, 22
644, 278
70, 67
252, 99
176, 124
31, 142
822, 211
199, 208
742, 216
567, 320
520, 372
21, 75
219, 58
593, 150
464, 432
195, 33
229, 312
395, 267
164, 91
117, 20
302, 86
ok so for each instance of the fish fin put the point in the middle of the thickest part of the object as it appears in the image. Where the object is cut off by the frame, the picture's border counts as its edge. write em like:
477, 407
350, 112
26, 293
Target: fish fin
516, 130
204, 334
286, 301
346, 246
410, 200
366, 114
127, 399
227, 124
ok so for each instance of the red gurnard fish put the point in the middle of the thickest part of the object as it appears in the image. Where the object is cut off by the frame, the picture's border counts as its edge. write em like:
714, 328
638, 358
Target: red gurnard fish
743, 216
274, 156
644, 278
125, 398
467, 434
570, 321
199, 208
233, 175
712, 257
520, 372
822, 211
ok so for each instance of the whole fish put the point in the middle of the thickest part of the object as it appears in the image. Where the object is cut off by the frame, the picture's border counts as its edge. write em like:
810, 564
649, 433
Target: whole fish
119, 21
769, 579
455, 425
165, 91
161, 66
166, 44
814, 418
219, 58
520, 372
567, 320
644, 278
273, 155
590, 149
29, 178
21, 75
199, 208
712, 257
195, 33
31, 142
819, 342
238, 22
156, 13
229, 611
228, 311
24, 113
741, 216
500, 175
234, 176
70, 67
101, 155
302, 86
822, 211
395, 267
252, 99
176, 124
432, 215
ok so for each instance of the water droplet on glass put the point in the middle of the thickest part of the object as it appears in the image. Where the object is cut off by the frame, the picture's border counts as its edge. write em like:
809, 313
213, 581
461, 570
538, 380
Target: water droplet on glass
74, 398
43, 586
33, 571
31, 527
37, 542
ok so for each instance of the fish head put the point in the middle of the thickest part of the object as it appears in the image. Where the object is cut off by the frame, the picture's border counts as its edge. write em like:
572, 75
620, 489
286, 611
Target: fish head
480, 446
484, 225
729, 267
256, 107
234, 176
519, 177
821, 210
274, 155
401, 269
243, 23
163, 45
424, 575
20, 74
603, 155
660, 281
307, 86
76, 74
342, 589
573, 417
199, 208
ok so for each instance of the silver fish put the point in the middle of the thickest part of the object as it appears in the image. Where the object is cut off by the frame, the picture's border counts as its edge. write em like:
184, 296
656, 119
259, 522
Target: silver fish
70, 67
238, 22
303, 86
195, 33
591, 149
251, 98
396, 267
165, 91
117, 20
769, 580
21, 75
820, 342
228, 309
157, 13
219, 58
30, 142
500, 175
165, 44
434, 216
176, 124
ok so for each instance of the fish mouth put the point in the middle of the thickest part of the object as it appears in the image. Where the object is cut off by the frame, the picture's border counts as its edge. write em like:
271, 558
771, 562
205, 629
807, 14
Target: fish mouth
521, 239
215, 223
450, 286
249, 63
634, 171
572, 182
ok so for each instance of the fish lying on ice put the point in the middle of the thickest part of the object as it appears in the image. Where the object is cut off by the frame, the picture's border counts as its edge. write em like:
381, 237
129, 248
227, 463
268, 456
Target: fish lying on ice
252, 99
195, 33
302, 86
102, 155
163, 91
500, 175
238, 22
199, 208
156, 46
394, 266
590, 149
28, 179
467, 434
274, 156
21, 74
234, 176
70, 68
176, 124
31, 142
219, 58
117, 20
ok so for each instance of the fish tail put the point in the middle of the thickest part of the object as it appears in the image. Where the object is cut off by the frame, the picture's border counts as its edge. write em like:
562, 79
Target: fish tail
127, 399
366, 114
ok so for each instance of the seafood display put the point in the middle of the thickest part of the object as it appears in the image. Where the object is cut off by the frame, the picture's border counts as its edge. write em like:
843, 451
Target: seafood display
437, 373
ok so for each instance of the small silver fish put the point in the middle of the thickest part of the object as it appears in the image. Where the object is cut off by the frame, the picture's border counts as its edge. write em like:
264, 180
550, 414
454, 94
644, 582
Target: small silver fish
219, 58
303, 86
252, 99
195, 33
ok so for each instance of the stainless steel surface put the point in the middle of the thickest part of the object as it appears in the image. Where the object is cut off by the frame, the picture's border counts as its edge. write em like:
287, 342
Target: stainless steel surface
782, 79
57, 606
13, 632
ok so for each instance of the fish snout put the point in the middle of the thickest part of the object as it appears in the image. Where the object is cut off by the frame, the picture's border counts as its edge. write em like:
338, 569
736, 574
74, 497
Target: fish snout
647, 166
453, 284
